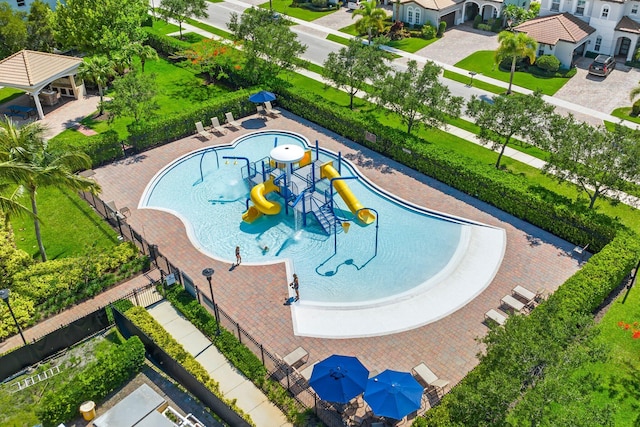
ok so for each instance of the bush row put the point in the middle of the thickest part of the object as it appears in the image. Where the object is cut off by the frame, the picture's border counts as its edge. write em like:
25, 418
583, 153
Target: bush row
519, 354
513, 194
155, 331
95, 382
237, 353
102, 148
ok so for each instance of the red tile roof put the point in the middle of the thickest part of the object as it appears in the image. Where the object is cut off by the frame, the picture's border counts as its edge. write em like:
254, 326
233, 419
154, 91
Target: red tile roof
628, 25
553, 28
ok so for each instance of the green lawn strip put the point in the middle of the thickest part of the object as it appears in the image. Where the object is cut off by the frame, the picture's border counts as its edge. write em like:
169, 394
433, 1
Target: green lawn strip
350, 29
285, 7
627, 214
57, 210
213, 30
8, 94
461, 78
338, 39
215, 1
411, 44
624, 113
482, 62
163, 27
313, 67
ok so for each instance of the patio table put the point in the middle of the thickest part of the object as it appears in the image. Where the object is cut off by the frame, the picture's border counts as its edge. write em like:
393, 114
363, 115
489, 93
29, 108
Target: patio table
21, 111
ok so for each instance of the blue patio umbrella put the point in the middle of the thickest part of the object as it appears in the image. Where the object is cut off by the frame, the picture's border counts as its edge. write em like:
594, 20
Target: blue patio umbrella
339, 378
393, 394
262, 96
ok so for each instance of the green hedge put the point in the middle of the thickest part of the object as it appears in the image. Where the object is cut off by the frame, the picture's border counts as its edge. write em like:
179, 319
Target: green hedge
95, 382
513, 194
102, 148
155, 331
165, 45
237, 353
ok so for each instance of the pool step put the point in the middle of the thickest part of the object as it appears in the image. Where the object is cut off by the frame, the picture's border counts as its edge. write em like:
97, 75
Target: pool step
325, 217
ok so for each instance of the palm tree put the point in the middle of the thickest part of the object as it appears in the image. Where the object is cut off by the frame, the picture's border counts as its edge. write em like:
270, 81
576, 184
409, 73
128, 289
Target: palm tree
11, 173
26, 147
372, 18
98, 70
144, 52
514, 46
634, 93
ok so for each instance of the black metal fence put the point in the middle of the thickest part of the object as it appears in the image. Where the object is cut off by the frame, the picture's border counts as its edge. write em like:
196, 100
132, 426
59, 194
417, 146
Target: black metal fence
294, 382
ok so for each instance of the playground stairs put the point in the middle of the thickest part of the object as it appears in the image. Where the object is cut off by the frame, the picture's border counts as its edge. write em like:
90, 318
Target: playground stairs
325, 217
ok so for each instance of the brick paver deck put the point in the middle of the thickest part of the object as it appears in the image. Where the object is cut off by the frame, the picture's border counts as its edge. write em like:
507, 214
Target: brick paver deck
253, 295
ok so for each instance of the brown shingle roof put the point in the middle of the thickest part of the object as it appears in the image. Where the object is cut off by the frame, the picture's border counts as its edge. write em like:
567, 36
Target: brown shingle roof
28, 68
552, 28
435, 4
628, 25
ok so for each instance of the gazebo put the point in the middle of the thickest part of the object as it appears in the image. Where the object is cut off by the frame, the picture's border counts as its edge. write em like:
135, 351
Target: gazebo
33, 71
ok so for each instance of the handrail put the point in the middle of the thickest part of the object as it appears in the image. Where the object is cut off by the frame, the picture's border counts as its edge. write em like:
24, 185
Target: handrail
202, 157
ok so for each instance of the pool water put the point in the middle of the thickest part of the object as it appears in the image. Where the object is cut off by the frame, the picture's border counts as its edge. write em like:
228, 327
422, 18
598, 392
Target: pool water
413, 245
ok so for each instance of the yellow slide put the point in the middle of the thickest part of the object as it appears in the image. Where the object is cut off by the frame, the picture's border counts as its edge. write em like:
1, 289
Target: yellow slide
365, 215
261, 205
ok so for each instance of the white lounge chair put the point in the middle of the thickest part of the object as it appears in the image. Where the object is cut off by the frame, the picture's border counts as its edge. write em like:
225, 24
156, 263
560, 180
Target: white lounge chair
495, 316
513, 303
298, 356
526, 295
270, 110
426, 376
307, 371
262, 112
580, 250
203, 133
215, 125
231, 121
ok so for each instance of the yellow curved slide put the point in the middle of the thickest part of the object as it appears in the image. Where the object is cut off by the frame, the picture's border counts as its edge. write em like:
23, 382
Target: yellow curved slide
261, 204
364, 215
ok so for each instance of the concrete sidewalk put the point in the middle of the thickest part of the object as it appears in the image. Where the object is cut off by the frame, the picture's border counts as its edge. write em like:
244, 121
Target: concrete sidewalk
233, 384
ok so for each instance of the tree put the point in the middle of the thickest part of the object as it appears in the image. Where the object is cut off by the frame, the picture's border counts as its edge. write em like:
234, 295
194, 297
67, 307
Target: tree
145, 53
26, 146
268, 43
180, 10
352, 66
515, 15
13, 30
418, 97
372, 21
525, 116
100, 26
515, 46
634, 92
98, 70
133, 96
599, 161
40, 27
11, 173
212, 57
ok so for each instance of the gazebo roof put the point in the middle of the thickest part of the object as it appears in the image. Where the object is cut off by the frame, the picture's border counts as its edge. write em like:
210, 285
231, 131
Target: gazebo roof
31, 71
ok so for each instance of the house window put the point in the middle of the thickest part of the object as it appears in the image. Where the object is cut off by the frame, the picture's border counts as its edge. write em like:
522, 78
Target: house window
580, 7
555, 5
596, 47
20, 2
410, 16
540, 49
605, 12
634, 9
417, 16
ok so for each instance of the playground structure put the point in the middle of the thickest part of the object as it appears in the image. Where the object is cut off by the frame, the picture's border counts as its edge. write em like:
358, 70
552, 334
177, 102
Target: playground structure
304, 185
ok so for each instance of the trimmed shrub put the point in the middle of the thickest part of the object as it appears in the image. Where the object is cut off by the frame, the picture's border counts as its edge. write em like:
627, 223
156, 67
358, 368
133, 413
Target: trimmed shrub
95, 382
548, 63
495, 24
102, 148
635, 109
441, 28
484, 27
429, 32
477, 20
165, 45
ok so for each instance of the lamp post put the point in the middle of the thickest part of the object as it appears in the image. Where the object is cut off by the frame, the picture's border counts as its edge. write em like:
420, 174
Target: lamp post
4, 294
208, 272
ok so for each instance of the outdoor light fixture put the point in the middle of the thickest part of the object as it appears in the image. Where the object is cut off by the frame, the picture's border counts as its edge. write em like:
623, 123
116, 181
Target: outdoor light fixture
4, 294
208, 273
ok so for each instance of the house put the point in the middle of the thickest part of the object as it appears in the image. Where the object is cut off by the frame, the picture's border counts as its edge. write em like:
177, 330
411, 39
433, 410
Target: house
616, 23
563, 35
453, 12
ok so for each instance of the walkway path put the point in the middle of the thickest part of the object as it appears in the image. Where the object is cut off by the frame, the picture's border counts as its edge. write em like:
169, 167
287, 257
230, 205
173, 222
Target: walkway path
233, 384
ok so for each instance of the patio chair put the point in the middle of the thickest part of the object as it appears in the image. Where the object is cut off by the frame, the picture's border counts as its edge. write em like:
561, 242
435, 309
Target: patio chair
495, 316
306, 372
262, 112
299, 356
231, 121
512, 303
426, 376
200, 129
270, 110
215, 125
525, 294
580, 250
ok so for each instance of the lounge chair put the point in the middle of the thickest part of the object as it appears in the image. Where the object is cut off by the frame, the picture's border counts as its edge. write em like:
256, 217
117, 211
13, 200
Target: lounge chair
231, 121
425, 375
262, 112
297, 357
203, 133
215, 125
512, 303
307, 371
495, 316
580, 250
526, 295
270, 110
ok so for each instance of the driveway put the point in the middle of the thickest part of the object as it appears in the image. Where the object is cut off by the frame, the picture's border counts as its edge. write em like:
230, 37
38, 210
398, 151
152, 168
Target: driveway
458, 43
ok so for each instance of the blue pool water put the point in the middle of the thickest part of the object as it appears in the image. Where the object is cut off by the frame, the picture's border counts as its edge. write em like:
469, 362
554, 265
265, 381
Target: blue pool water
413, 245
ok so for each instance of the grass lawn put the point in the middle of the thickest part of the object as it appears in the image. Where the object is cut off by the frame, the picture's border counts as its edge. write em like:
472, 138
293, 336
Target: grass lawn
8, 94
163, 27
411, 44
349, 29
482, 62
338, 39
476, 83
624, 113
58, 209
213, 30
284, 7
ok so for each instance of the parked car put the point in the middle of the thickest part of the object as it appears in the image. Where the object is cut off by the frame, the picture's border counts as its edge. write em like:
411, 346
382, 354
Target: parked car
602, 65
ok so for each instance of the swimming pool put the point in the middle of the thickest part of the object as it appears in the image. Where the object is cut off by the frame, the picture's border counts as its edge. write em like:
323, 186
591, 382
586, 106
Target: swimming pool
416, 249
